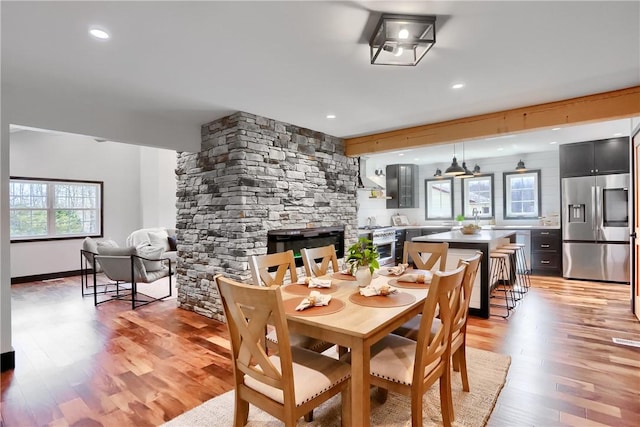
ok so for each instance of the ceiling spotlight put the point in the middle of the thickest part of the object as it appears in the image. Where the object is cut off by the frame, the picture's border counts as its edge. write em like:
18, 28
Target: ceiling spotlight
99, 33
553, 142
331, 116
402, 39
617, 134
556, 129
457, 86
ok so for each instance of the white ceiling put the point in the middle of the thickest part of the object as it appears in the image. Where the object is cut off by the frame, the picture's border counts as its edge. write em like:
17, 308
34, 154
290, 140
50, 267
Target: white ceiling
193, 62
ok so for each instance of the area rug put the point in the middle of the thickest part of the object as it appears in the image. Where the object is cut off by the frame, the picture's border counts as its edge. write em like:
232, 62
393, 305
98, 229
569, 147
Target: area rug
487, 375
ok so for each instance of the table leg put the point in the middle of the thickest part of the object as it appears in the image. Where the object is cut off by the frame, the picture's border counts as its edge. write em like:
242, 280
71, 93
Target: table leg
360, 401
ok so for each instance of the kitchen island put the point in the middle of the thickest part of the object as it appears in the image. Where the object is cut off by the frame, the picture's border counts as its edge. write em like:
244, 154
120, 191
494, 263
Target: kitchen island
463, 246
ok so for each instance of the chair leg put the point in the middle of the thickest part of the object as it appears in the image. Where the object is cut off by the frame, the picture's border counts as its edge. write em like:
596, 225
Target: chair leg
381, 394
445, 398
308, 417
416, 406
241, 415
345, 398
462, 359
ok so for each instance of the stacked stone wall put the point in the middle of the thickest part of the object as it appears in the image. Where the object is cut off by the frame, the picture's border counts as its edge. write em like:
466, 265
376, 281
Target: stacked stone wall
253, 175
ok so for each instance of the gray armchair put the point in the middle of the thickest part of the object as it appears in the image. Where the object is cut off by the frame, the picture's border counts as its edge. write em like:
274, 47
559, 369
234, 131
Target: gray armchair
125, 266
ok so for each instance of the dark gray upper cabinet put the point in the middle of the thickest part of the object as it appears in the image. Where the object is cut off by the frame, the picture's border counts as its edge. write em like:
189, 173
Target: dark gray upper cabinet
402, 185
601, 157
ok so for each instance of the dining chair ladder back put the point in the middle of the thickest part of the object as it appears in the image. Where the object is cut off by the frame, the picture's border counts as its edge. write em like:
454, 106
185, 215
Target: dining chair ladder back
409, 367
283, 262
326, 255
273, 383
425, 255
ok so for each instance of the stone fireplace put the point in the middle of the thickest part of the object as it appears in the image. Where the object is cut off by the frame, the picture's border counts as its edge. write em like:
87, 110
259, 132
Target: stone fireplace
253, 175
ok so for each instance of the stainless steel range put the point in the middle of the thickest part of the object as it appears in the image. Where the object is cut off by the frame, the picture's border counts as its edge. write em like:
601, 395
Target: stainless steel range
385, 240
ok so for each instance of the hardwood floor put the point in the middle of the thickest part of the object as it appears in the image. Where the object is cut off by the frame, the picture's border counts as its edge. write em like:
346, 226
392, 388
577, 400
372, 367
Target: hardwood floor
85, 366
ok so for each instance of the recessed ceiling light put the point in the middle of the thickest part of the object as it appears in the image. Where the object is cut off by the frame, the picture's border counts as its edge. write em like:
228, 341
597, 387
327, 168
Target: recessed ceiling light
331, 116
403, 34
400, 154
457, 86
99, 33
556, 128
617, 134
553, 142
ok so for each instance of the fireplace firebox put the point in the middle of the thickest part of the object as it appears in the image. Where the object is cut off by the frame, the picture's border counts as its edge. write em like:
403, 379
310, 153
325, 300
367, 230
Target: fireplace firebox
296, 239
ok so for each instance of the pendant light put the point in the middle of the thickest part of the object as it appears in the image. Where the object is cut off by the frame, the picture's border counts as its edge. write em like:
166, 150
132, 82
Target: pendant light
455, 168
438, 173
521, 167
476, 169
466, 172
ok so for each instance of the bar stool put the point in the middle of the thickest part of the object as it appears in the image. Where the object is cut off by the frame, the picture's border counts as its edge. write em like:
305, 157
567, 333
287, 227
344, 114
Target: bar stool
499, 281
523, 281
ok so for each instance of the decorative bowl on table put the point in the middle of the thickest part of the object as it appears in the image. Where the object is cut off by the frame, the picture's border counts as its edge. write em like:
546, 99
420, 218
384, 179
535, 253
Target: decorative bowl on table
470, 229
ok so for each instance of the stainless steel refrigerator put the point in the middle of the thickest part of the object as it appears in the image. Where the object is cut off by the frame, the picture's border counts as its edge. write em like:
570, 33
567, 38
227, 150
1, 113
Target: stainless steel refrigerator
595, 228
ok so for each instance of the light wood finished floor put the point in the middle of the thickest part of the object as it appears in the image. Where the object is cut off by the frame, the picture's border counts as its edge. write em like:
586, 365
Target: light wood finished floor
85, 366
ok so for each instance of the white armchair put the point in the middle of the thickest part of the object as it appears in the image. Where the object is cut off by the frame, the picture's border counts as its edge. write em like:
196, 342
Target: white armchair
126, 266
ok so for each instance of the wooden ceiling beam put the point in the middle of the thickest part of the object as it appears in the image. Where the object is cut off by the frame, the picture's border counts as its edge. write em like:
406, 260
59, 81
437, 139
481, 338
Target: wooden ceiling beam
617, 104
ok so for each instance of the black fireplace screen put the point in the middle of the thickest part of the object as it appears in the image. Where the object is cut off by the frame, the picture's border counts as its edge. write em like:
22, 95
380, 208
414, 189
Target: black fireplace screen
296, 239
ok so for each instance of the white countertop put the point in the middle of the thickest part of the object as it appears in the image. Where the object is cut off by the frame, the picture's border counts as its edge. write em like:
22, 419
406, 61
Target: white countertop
485, 236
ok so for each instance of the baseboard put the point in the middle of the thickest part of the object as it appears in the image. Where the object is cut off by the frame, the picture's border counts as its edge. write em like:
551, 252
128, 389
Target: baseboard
8, 360
47, 276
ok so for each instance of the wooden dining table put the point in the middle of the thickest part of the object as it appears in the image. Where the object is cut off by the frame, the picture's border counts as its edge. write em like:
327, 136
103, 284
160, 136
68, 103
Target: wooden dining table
356, 327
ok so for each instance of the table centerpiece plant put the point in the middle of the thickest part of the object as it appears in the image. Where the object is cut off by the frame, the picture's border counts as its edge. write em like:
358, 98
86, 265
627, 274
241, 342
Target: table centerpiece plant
362, 258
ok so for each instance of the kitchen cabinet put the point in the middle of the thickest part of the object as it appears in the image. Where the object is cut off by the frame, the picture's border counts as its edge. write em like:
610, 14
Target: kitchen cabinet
400, 237
546, 252
601, 157
402, 185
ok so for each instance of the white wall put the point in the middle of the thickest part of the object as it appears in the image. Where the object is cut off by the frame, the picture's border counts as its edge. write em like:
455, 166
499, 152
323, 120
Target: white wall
158, 187
132, 176
547, 161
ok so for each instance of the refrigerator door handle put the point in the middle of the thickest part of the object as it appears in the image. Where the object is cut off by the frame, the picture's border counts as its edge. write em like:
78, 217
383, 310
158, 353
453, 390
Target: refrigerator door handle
593, 208
599, 212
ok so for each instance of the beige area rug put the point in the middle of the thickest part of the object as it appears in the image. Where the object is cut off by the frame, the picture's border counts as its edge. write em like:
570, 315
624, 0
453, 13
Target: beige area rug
487, 375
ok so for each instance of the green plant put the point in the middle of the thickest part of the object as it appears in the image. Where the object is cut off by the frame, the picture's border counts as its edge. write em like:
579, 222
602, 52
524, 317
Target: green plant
363, 253
460, 217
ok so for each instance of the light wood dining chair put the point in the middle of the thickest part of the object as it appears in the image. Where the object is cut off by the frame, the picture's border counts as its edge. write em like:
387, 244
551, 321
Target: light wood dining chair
459, 325
282, 263
425, 255
409, 367
287, 384
326, 255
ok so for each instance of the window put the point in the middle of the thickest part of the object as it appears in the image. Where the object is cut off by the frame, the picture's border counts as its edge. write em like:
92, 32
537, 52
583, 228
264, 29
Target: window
438, 194
46, 209
477, 196
521, 194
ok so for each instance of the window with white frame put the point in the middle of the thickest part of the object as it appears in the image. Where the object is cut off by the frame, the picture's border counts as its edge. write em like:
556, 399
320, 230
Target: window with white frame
438, 198
46, 209
478, 196
522, 194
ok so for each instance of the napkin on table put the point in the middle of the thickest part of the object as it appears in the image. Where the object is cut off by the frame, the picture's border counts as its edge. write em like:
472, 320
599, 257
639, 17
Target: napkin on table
379, 289
314, 282
315, 299
397, 270
417, 278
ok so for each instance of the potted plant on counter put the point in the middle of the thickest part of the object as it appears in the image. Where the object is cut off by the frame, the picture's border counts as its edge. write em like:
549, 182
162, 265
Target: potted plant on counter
362, 258
460, 218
